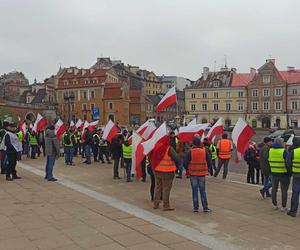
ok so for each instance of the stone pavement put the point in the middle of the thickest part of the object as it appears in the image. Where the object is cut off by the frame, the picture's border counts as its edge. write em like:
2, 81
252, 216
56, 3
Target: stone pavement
36, 214
240, 216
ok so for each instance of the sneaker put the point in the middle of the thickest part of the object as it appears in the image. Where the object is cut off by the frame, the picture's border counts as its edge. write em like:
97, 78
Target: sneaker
207, 210
129, 180
117, 178
283, 209
52, 179
291, 214
268, 195
17, 177
274, 207
262, 192
168, 209
8, 178
179, 177
195, 211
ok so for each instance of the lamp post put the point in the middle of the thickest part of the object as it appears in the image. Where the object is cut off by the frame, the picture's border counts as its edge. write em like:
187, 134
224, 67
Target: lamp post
69, 98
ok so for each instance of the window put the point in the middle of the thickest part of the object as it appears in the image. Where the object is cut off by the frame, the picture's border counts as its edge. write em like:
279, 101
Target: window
92, 94
85, 95
216, 84
278, 92
193, 95
266, 79
92, 106
84, 106
216, 94
294, 105
254, 106
294, 92
204, 107
110, 105
228, 94
254, 92
227, 106
240, 94
266, 92
216, 106
265, 105
204, 95
240, 106
277, 105
193, 107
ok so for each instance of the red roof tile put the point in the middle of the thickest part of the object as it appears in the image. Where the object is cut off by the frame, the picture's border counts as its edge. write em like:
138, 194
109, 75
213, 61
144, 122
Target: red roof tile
84, 73
292, 76
240, 79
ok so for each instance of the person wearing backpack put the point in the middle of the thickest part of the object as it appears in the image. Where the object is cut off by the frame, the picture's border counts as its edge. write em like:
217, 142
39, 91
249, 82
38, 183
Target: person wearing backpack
69, 142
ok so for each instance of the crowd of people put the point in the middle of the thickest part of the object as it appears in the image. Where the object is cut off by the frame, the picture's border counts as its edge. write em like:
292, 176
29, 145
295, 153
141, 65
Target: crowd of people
269, 161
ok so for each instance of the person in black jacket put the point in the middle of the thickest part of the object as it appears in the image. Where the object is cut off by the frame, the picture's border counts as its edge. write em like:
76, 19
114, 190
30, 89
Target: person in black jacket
116, 151
250, 158
88, 144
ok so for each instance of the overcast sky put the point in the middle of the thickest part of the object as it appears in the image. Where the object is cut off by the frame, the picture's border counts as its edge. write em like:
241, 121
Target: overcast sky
171, 37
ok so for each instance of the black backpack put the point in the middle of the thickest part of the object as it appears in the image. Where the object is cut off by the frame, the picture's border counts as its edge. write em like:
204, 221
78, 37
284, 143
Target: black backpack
67, 139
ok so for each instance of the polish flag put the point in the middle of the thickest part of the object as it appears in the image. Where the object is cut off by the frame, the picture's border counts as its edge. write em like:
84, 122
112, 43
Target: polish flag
110, 131
22, 127
72, 125
156, 146
60, 128
217, 129
193, 122
39, 124
148, 133
168, 99
241, 135
186, 134
93, 125
137, 154
79, 124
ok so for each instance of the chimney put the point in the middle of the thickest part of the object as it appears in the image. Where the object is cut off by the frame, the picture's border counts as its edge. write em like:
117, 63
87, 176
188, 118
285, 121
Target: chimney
233, 70
290, 68
271, 60
205, 72
252, 72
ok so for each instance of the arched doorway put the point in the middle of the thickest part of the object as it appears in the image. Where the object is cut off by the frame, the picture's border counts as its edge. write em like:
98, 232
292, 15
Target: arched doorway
266, 122
30, 117
254, 123
204, 120
278, 122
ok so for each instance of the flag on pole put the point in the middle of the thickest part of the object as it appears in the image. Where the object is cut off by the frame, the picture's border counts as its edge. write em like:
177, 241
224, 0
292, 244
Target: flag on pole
39, 124
186, 134
241, 135
137, 155
217, 129
79, 123
93, 125
60, 128
72, 125
193, 122
22, 127
168, 99
110, 131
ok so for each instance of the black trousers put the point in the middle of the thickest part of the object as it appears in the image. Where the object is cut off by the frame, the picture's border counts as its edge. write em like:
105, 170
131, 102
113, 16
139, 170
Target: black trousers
116, 167
284, 186
11, 163
152, 178
103, 151
95, 152
250, 174
143, 166
3, 161
34, 151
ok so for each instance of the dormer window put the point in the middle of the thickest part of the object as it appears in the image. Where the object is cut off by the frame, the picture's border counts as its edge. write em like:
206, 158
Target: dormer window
216, 84
266, 79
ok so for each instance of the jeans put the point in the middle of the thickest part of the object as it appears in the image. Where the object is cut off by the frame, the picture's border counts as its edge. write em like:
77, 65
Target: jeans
198, 183
284, 186
34, 151
87, 151
179, 167
49, 166
128, 164
212, 167
267, 185
295, 195
222, 162
116, 167
69, 152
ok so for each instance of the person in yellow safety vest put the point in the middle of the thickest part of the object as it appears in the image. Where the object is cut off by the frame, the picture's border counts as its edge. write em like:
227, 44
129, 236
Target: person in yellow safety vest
77, 145
198, 161
127, 156
224, 148
164, 174
68, 142
33, 142
277, 161
293, 167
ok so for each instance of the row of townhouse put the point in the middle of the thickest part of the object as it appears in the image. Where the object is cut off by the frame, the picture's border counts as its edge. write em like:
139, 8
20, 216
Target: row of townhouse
265, 97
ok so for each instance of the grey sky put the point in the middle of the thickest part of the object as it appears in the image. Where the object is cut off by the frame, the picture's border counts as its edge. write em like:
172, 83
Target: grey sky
171, 37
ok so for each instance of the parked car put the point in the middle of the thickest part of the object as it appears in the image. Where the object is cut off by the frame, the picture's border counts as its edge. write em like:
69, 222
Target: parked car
284, 134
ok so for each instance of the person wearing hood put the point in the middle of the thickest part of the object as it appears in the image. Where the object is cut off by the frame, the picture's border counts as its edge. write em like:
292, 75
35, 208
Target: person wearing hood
2, 151
277, 160
127, 156
13, 148
293, 166
52, 152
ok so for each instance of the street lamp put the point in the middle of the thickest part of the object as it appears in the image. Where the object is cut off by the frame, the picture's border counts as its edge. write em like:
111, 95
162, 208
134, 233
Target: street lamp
69, 98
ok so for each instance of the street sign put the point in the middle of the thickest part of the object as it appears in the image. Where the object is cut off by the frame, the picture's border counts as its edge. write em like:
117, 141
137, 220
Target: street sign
96, 113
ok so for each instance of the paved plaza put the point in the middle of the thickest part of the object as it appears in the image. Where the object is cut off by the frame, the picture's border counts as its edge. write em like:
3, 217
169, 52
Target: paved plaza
87, 209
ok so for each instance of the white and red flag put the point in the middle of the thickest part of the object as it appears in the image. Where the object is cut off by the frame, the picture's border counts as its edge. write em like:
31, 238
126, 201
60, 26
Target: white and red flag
39, 124
168, 100
93, 125
216, 129
137, 154
60, 128
22, 127
110, 131
79, 124
193, 122
146, 131
241, 135
186, 134
72, 125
